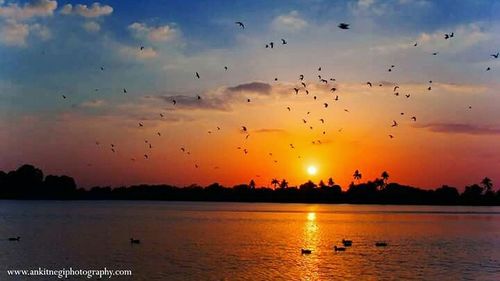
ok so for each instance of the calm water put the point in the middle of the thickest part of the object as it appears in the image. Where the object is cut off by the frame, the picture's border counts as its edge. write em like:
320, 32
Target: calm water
240, 241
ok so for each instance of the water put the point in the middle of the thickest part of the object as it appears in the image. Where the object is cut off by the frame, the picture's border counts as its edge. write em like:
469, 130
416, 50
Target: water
245, 241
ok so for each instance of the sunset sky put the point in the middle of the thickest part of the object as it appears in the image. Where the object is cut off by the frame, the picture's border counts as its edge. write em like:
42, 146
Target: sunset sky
53, 48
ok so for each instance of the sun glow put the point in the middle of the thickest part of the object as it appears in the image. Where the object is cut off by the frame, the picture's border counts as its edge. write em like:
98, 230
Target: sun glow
312, 170
311, 216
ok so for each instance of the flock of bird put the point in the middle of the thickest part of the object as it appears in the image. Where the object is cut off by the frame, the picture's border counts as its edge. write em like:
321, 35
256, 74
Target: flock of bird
300, 88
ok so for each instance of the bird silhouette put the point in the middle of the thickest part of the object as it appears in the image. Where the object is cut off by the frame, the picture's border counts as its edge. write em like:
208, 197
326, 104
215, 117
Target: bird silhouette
394, 123
174, 102
414, 119
488, 69
141, 125
244, 128
283, 41
415, 45
319, 68
435, 53
343, 26
124, 90
369, 84
301, 77
391, 136
63, 96
495, 55
333, 89
240, 24
296, 90
225, 68
325, 104
395, 88
141, 48
197, 75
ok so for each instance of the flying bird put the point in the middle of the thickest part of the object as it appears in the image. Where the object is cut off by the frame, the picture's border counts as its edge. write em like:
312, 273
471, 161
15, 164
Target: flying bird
63, 96
124, 90
435, 53
488, 69
395, 88
325, 104
394, 123
197, 75
301, 77
174, 102
343, 26
369, 83
225, 68
333, 89
283, 41
495, 55
414, 119
142, 48
240, 24
199, 97
244, 129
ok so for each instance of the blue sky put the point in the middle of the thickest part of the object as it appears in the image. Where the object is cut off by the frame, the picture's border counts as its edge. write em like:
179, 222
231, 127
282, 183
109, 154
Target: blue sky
50, 48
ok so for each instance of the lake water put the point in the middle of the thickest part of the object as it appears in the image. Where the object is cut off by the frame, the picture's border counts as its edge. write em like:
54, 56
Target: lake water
245, 241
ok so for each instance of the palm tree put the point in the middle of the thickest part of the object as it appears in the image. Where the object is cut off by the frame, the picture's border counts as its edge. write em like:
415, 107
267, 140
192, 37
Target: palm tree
331, 182
275, 182
385, 177
284, 184
487, 183
357, 175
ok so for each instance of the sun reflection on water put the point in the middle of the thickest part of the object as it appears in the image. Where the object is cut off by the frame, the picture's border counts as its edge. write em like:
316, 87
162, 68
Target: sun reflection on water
311, 241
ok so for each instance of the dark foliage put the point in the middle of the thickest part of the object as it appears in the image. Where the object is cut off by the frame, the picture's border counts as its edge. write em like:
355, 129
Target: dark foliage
28, 182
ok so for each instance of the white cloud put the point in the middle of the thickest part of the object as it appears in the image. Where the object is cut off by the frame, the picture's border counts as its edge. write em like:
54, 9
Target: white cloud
470, 35
14, 34
41, 31
92, 26
38, 8
94, 11
137, 53
154, 34
290, 22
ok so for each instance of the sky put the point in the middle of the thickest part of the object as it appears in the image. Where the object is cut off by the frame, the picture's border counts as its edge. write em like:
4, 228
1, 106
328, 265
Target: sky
92, 52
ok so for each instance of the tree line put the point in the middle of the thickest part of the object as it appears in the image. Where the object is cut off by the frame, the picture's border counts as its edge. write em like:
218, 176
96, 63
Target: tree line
29, 182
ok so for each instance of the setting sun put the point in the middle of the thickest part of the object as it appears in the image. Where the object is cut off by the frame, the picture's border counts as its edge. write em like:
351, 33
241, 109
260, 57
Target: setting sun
312, 170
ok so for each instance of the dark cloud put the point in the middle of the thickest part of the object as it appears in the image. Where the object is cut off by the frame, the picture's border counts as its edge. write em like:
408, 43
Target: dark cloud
190, 102
459, 128
221, 100
255, 87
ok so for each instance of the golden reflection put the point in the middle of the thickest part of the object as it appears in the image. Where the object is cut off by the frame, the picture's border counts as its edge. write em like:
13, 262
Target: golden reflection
311, 241
311, 216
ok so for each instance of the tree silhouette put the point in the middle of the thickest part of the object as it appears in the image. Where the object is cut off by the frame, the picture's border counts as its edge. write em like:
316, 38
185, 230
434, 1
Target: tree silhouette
385, 176
357, 175
275, 182
252, 184
283, 184
321, 184
487, 183
331, 183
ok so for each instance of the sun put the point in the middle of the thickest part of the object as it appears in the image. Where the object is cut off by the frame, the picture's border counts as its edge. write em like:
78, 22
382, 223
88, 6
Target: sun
312, 170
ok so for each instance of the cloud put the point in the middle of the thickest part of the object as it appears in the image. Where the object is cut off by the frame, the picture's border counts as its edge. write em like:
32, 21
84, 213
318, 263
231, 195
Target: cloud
38, 8
154, 34
94, 11
289, 22
221, 98
460, 128
255, 87
470, 35
92, 26
13, 33
137, 53
93, 103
